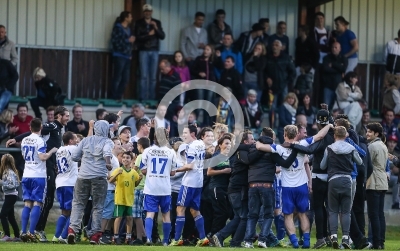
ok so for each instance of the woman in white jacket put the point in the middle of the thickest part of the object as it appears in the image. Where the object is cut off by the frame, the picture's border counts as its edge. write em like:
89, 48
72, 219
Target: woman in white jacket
347, 96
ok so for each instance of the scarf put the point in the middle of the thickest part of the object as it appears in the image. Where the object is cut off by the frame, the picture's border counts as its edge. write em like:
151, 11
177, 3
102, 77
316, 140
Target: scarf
252, 108
290, 109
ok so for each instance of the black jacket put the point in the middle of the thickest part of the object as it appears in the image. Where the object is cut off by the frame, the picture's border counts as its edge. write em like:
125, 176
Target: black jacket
8, 75
243, 43
230, 78
306, 52
365, 170
47, 88
144, 41
167, 82
333, 69
262, 165
281, 70
318, 149
257, 64
239, 172
201, 65
249, 120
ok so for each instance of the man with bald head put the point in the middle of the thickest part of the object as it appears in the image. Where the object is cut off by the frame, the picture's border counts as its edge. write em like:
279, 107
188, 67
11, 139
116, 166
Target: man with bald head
334, 67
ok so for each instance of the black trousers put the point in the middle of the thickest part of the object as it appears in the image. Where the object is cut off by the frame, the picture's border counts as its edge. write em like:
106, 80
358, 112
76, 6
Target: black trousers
37, 102
7, 215
359, 205
320, 196
51, 188
221, 208
375, 203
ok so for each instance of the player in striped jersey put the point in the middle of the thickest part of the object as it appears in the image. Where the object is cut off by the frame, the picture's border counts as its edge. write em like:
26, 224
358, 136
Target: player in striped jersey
158, 164
65, 182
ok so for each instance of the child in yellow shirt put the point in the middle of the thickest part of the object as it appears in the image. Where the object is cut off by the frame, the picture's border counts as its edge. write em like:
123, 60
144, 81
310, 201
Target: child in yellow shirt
125, 180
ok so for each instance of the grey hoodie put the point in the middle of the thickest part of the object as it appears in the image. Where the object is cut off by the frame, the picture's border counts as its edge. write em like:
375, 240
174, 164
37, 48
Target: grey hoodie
9, 183
92, 152
340, 166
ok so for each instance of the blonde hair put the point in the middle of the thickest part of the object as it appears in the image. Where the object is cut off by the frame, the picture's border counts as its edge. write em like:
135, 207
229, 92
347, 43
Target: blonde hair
291, 131
340, 132
6, 116
219, 129
8, 163
263, 49
292, 95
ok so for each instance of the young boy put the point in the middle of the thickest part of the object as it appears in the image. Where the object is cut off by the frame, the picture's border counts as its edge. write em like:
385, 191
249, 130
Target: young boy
161, 161
65, 181
137, 208
125, 180
33, 150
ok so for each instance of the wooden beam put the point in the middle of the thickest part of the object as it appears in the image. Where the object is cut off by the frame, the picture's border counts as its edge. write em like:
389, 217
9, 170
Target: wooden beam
315, 3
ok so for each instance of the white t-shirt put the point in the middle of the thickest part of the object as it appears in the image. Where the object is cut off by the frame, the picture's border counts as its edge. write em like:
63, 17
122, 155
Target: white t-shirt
295, 175
114, 165
159, 162
323, 37
67, 169
31, 146
134, 139
195, 152
159, 122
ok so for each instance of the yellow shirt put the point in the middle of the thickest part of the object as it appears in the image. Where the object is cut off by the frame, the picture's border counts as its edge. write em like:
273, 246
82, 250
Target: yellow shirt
125, 186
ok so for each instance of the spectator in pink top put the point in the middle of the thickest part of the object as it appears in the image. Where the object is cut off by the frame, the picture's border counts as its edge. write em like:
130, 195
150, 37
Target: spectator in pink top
180, 67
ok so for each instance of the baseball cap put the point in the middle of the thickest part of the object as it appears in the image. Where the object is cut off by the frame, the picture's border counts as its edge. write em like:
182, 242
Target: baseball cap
323, 117
121, 128
392, 138
147, 7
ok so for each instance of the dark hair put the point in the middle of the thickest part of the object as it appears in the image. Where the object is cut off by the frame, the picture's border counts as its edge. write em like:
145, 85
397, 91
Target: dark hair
181, 64
342, 116
349, 75
128, 153
220, 12
141, 122
60, 110
281, 22
144, 142
192, 129
342, 20
100, 112
225, 136
304, 28
2, 26
377, 128
50, 108
365, 111
267, 131
228, 34
319, 14
245, 136
161, 137
122, 16
231, 58
36, 125
306, 66
389, 110
199, 14
111, 118
22, 105
203, 131
398, 33
67, 137
342, 122
263, 20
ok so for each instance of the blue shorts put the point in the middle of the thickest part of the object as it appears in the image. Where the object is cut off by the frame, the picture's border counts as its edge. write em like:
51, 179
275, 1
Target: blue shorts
34, 189
189, 197
108, 210
137, 208
295, 197
278, 192
152, 202
64, 197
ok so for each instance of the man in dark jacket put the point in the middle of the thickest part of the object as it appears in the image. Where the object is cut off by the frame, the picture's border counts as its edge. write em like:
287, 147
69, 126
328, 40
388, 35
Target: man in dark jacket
148, 32
238, 194
247, 40
230, 78
279, 73
306, 50
334, 67
8, 79
261, 175
218, 28
320, 177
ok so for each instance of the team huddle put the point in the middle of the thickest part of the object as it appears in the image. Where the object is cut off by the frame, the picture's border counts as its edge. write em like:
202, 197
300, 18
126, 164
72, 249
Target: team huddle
256, 182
